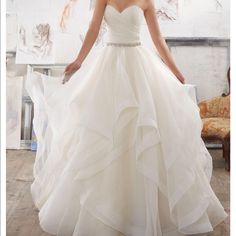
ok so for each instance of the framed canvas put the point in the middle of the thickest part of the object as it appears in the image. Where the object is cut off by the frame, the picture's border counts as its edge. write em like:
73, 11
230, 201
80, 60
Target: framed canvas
13, 111
34, 39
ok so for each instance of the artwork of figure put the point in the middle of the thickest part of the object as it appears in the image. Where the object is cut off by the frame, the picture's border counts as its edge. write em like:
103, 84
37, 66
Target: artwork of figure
66, 13
219, 4
10, 6
22, 39
13, 112
209, 6
35, 38
72, 21
41, 44
167, 10
70, 11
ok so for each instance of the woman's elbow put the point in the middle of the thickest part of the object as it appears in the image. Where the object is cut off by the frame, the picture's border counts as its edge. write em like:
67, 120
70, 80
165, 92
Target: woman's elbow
93, 30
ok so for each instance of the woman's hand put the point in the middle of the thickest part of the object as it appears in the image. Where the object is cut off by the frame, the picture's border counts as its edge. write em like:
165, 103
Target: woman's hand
89, 40
69, 70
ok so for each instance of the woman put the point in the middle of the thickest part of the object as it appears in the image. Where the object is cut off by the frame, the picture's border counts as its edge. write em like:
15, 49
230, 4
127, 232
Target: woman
121, 152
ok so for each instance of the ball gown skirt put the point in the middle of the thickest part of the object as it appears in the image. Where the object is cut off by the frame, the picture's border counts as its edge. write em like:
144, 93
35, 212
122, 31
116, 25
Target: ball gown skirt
119, 146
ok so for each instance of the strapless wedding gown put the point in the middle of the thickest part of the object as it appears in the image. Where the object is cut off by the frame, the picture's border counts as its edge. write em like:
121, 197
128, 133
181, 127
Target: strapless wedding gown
119, 146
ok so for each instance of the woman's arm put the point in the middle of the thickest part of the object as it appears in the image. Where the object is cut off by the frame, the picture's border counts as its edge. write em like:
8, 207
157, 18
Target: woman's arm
90, 37
158, 39
93, 30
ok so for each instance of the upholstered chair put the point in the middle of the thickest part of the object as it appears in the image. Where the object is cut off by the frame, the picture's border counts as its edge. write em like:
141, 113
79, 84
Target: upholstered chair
215, 114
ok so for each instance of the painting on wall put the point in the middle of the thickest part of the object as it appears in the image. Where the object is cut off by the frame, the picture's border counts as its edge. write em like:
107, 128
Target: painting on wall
34, 40
11, 6
45, 38
167, 10
55, 35
80, 12
209, 6
52, 31
72, 19
13, 111
66, 12
219, 4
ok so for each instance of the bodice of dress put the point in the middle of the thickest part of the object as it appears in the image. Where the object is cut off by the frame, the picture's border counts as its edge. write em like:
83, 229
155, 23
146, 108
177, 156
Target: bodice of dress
123, 27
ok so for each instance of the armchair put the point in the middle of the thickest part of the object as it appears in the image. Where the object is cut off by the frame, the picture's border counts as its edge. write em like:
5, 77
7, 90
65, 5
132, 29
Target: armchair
215, 114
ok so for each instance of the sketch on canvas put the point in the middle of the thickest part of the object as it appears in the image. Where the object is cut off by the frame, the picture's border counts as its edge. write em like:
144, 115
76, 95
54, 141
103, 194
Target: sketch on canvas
204, 6
10, 6
72, 15
13, 111
34, 39
218, 4
11, 32
167, 10
72, 21
67, 10
41, 43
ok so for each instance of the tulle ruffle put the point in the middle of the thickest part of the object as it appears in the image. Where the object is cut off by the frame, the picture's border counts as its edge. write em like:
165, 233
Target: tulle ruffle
120, 151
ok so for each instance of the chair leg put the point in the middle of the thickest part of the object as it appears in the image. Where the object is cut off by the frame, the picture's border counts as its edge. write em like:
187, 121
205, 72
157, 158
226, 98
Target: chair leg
226, 153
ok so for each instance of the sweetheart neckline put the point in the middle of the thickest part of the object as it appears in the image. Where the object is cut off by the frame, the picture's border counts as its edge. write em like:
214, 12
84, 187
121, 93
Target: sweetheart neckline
124, 10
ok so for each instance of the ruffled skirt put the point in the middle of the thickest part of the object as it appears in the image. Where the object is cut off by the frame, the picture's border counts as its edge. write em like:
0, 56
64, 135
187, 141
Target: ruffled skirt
120, 151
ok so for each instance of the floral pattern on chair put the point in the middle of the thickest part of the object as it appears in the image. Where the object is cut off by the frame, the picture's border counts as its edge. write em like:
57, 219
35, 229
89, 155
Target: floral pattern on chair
216, 126
215, 114
215, 107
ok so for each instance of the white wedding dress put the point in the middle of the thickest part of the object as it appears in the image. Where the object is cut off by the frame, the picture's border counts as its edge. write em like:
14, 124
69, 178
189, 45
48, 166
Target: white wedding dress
119, 146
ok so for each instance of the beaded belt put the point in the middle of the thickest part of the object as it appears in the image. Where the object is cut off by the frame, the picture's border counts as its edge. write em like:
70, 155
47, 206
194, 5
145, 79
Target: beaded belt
124, 44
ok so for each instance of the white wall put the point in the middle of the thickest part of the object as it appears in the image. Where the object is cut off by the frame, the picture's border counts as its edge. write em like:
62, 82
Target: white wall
205, 66
200, 18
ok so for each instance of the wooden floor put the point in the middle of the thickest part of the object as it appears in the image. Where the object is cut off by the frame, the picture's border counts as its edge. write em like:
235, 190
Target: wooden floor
22, 218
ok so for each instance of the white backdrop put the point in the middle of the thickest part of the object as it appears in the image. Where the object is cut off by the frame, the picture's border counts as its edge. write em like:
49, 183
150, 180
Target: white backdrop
200, 18
63, 38
13, 112
206, 66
